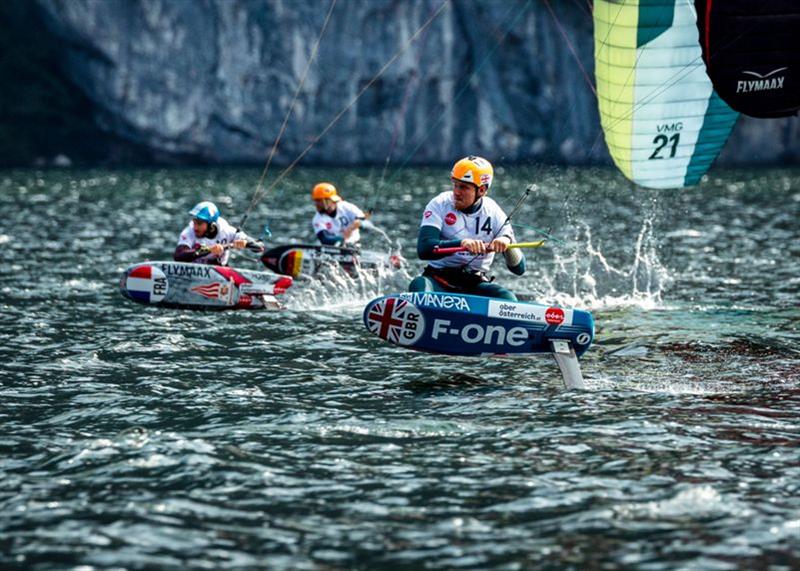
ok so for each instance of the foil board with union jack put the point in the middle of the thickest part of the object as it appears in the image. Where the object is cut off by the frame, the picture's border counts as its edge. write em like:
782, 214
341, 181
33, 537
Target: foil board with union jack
469, 325
308, 259
202, 286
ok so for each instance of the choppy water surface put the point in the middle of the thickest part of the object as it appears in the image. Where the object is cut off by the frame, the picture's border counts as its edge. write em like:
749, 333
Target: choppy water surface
134, 437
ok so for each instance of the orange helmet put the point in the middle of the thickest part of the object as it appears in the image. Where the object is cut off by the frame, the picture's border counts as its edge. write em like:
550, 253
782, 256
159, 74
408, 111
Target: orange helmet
473, 169
325, 190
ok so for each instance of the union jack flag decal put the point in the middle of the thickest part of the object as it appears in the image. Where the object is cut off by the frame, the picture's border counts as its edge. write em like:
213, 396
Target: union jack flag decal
396, 321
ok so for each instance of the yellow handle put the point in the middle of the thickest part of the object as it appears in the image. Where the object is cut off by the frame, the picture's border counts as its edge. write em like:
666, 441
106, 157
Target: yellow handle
538, 244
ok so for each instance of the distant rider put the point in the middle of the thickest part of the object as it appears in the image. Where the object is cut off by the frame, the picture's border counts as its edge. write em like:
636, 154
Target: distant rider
466, 217
337, 221
208, 237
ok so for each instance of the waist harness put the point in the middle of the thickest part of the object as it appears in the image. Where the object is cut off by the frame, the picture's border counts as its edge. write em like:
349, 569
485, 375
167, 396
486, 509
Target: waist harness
456, 279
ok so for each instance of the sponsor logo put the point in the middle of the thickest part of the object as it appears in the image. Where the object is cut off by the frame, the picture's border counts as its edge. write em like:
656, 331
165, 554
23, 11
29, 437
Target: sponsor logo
475, 333
762, 82
517, 311
450, 219
554, 316
396, 321
427, 214
486, 179
328, 225
583, 338
529, 312
187, 270
212, 291
433, 300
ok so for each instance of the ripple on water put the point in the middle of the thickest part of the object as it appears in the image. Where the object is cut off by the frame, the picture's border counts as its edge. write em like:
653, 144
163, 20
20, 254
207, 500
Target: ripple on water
136, 438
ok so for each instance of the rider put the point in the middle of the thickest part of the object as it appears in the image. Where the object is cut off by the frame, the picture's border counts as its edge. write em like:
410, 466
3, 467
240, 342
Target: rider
337, 221
208, 237
465, 217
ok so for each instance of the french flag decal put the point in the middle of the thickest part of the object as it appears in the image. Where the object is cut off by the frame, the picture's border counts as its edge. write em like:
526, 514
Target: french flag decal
146, 284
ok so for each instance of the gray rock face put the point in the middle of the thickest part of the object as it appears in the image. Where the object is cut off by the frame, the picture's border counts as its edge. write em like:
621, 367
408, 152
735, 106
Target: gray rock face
213, 80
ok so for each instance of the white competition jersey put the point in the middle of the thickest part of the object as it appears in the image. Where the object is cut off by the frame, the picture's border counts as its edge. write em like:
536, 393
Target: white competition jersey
346, 214
226, 234
484, 224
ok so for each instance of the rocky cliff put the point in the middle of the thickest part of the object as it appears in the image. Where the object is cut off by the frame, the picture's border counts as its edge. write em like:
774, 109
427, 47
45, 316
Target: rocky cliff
212, 80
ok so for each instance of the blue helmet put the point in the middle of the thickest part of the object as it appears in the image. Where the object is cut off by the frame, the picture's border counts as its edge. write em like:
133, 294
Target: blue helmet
206, 211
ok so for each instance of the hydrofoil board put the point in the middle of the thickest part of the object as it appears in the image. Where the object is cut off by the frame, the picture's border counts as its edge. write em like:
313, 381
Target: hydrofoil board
202, 286
308, 259
468, 325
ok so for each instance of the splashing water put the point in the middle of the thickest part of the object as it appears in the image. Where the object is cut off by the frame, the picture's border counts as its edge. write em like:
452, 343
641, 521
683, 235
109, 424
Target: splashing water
335, 289
580, 275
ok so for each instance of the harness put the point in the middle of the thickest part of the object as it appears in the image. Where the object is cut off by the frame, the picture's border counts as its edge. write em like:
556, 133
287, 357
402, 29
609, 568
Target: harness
457, 279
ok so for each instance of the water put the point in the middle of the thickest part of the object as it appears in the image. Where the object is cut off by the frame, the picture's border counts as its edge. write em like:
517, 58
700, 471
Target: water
134, 437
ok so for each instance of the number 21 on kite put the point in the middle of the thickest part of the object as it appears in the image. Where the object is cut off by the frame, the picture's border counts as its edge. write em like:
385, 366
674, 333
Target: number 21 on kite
662, 141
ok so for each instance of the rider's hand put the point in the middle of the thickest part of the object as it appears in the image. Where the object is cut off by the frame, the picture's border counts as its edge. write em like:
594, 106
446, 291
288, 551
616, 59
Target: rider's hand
474, 246
499, 244
217, 250
257, 247
239, 244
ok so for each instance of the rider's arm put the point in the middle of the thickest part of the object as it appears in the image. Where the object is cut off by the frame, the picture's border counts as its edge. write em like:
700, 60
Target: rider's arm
515, 261
428, 239
329, 238
187, 248
254, 245
184, 253
251, 243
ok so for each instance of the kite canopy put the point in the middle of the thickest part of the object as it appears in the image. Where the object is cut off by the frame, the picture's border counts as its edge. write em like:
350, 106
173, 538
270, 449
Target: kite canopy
664, 124
752, 53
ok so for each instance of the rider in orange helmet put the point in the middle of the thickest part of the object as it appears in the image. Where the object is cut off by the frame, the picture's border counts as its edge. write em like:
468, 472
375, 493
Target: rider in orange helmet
465, 217
337, 221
